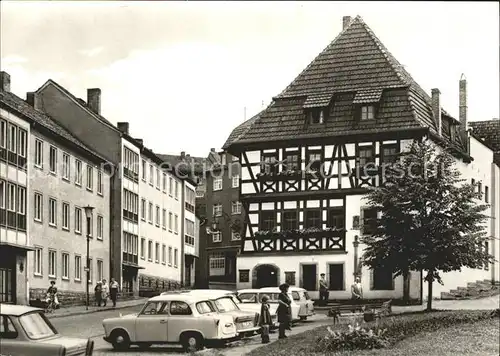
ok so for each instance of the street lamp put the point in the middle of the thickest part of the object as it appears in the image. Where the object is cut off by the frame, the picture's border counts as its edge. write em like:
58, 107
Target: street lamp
88, 214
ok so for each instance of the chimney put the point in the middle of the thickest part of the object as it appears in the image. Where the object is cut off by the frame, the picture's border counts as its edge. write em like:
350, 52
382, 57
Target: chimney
140, 140
212, 150
94, 100
463, 103
183, 155
5, 81
346, 20
123, 127
436, 109
33, 99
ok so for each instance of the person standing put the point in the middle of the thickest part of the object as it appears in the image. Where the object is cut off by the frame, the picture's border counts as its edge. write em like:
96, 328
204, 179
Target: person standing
265, 320
105, 292
113, 290
98, 293
323, 290
356, 292
283, 310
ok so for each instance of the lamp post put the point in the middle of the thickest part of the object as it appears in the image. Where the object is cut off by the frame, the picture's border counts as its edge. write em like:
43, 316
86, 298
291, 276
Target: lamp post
88, 214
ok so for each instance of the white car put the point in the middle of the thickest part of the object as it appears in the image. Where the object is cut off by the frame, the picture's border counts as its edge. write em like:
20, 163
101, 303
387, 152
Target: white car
252, 298
178, 318
246, 319
302, 306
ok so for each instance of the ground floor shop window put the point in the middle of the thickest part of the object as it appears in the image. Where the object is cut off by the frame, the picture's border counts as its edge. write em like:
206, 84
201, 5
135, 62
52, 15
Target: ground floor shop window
217, 264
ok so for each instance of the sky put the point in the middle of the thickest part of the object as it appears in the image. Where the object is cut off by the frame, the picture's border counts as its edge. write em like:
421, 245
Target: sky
184, 74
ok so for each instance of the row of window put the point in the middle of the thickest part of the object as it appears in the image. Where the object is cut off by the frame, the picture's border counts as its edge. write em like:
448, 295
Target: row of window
190, 199
484, 194
235, 209
218, 182
67, 167
13, 144
320, 115
130, 205
189, 235
65, 265
217, 236
154, 215
38, 215
12, 197
161, 178
315, 158
173, 253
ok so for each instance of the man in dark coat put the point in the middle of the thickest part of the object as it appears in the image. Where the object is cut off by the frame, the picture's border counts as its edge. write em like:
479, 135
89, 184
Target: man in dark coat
284, 311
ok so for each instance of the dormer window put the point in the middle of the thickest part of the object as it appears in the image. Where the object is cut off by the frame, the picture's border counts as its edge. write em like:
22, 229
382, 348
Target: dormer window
367, 112
316, 117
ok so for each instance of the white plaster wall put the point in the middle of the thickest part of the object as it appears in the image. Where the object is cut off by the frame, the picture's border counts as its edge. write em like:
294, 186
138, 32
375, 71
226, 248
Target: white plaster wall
156, 233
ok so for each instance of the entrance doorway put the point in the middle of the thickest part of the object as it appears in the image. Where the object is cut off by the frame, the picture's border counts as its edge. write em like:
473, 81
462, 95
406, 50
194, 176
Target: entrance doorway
267, 276
309, 277
336, 276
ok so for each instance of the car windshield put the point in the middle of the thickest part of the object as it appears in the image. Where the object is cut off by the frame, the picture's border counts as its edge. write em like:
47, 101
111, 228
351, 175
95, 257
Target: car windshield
37, 326
273, 297
248, 297
225, 304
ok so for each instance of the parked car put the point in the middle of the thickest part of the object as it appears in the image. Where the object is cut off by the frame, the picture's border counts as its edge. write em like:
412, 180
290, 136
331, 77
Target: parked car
176, 318
252, 298
302, 305
26, 331
246, 319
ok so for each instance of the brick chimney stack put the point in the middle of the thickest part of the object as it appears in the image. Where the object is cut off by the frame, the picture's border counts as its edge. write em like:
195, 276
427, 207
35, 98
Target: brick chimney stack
94, 100
346, 20
5, 81
436, 109
33, 99
463, 103
123, 127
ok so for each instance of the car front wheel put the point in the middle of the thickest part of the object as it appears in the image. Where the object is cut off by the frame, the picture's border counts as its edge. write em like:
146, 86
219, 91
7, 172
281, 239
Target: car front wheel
120, 340
192, 341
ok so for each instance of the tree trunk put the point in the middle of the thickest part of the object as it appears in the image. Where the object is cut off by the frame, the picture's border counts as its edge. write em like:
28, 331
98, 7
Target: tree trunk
406, 288
430, 279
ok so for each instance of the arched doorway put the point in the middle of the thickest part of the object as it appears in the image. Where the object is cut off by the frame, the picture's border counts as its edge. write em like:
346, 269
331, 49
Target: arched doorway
266, 275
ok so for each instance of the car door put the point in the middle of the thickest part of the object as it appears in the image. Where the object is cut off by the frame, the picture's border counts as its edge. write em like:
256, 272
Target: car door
152, 324
180, 318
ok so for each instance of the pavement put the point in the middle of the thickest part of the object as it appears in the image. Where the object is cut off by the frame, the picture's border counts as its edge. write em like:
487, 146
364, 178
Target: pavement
79, 310
81, 323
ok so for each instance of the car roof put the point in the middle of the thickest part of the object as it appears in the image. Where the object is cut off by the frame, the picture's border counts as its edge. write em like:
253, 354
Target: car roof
181, 297
16, 310
211, 292
249, 291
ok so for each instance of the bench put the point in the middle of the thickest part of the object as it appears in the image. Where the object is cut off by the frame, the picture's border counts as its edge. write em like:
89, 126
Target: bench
378, 310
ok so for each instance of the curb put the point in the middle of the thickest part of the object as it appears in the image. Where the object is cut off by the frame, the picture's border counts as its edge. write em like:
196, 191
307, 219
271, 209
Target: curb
92, 311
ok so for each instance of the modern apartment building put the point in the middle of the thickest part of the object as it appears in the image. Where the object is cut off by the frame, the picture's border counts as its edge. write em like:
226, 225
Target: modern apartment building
14, 184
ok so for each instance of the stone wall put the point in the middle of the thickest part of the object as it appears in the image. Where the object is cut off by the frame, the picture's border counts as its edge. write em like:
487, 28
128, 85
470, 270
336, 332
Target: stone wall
151, 285
69, 298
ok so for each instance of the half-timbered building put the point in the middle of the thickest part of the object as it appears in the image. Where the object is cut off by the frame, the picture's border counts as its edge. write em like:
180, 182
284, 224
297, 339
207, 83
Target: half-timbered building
304, 166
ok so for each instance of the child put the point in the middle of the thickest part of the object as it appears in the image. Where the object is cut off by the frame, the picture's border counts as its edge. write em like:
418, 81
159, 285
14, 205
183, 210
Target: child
265, 320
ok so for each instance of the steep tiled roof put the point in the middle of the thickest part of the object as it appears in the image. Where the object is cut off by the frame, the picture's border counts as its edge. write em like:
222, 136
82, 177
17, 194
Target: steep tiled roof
354, 67
174, 160
240, 130
42, 119
489, 132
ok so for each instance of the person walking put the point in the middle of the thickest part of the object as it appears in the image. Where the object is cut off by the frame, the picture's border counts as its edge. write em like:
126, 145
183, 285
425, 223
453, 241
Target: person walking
283, 310
323, 290
113, 290
105, 292
52, 298
98, 293
356, 292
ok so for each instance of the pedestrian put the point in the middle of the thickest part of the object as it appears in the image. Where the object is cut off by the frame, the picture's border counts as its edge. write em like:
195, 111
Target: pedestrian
113, 290
98, 293
105, 292
265, 320
323, 290
284, 310
52, 298
356, 293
